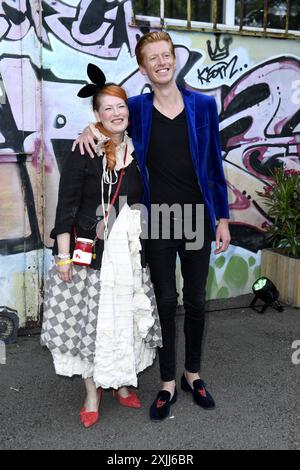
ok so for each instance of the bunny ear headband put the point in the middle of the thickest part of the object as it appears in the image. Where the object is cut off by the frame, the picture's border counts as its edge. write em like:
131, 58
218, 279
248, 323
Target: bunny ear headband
97, 77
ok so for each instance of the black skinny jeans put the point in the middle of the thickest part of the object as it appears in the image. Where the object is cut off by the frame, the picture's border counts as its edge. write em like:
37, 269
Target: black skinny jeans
161, 256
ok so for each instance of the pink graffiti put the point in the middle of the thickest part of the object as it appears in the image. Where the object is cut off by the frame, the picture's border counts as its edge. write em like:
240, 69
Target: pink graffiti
270, 113
261, 99
241, 201
42, 156
273, 133
36, 154
260, 129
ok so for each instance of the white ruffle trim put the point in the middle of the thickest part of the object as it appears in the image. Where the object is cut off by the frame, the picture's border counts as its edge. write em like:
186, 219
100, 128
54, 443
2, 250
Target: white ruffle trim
68, 365
125, 312
101, 138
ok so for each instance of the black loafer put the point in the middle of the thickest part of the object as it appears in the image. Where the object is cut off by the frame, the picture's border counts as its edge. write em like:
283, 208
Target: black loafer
200, 393
160, 408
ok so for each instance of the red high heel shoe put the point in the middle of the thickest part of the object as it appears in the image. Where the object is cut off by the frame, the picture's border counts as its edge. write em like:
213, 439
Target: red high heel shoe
89, 418
132, 401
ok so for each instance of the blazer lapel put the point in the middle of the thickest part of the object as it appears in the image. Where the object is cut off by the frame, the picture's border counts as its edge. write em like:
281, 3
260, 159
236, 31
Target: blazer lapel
189, 104
146, 119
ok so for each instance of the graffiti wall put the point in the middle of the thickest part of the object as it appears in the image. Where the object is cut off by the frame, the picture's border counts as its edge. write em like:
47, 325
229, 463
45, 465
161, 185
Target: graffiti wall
45, 47
21, 171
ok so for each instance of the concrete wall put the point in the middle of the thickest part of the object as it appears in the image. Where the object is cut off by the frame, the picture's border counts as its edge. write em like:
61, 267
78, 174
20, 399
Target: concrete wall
256, 83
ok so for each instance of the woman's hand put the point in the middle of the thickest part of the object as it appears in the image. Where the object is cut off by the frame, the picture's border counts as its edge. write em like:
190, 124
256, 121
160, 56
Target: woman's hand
86, 142
65, 272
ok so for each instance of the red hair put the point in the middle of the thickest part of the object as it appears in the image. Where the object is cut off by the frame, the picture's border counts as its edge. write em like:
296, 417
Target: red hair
109, 146
150, 38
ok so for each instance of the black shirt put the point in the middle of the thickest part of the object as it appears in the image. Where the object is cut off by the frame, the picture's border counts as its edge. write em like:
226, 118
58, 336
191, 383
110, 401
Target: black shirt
172, 176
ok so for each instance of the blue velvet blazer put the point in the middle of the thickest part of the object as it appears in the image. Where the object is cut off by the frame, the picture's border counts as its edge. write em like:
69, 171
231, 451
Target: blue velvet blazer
203, 130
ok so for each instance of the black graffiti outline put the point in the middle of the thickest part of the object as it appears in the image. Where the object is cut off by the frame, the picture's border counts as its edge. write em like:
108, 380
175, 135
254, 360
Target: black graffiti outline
219, 52
27, 15
227, 89
14, 139
218, 69
253, 239
119, 27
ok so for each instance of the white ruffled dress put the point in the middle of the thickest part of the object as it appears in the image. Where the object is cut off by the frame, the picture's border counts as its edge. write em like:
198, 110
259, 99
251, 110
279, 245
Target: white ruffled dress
124, 313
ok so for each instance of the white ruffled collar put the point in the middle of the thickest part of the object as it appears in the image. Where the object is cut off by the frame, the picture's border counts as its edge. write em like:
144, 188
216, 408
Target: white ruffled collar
120, 150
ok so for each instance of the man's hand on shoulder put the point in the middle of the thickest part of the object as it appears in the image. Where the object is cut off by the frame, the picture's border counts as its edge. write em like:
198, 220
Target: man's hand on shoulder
87, 142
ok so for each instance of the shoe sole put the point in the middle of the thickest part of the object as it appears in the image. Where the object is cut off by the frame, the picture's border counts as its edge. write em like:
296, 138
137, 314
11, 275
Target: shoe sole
203, 407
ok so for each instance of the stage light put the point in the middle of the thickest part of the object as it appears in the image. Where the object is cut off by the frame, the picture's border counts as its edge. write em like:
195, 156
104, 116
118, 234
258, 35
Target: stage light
265, 290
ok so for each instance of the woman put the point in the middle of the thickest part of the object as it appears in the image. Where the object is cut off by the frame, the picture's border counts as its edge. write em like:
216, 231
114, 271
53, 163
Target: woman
98, 322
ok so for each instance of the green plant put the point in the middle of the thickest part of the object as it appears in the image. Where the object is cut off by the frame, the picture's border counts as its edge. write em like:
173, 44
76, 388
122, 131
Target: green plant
282, 197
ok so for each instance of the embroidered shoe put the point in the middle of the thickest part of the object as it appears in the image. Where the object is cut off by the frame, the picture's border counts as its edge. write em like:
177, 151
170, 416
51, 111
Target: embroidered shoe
200, 393
160, 408
132, 401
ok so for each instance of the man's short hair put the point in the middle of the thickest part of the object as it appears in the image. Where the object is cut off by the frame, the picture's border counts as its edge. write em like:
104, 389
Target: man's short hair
149, 38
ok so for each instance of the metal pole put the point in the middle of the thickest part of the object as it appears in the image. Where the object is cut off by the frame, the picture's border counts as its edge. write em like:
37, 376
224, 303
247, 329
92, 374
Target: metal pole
229, 12
162, 13
241, 15
189, 13
214, 13
287, 18
265, 22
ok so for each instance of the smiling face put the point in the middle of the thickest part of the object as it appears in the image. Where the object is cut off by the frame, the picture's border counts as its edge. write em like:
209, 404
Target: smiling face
159, 63
113, 113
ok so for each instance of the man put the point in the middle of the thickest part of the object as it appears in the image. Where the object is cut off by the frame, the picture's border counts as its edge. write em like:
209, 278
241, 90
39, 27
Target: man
176, 138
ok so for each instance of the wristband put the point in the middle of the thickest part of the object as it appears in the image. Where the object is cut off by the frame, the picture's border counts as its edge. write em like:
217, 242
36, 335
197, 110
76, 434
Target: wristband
63, 255
64, 262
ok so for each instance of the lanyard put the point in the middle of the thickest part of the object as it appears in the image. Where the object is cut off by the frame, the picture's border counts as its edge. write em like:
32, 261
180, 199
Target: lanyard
104, 222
